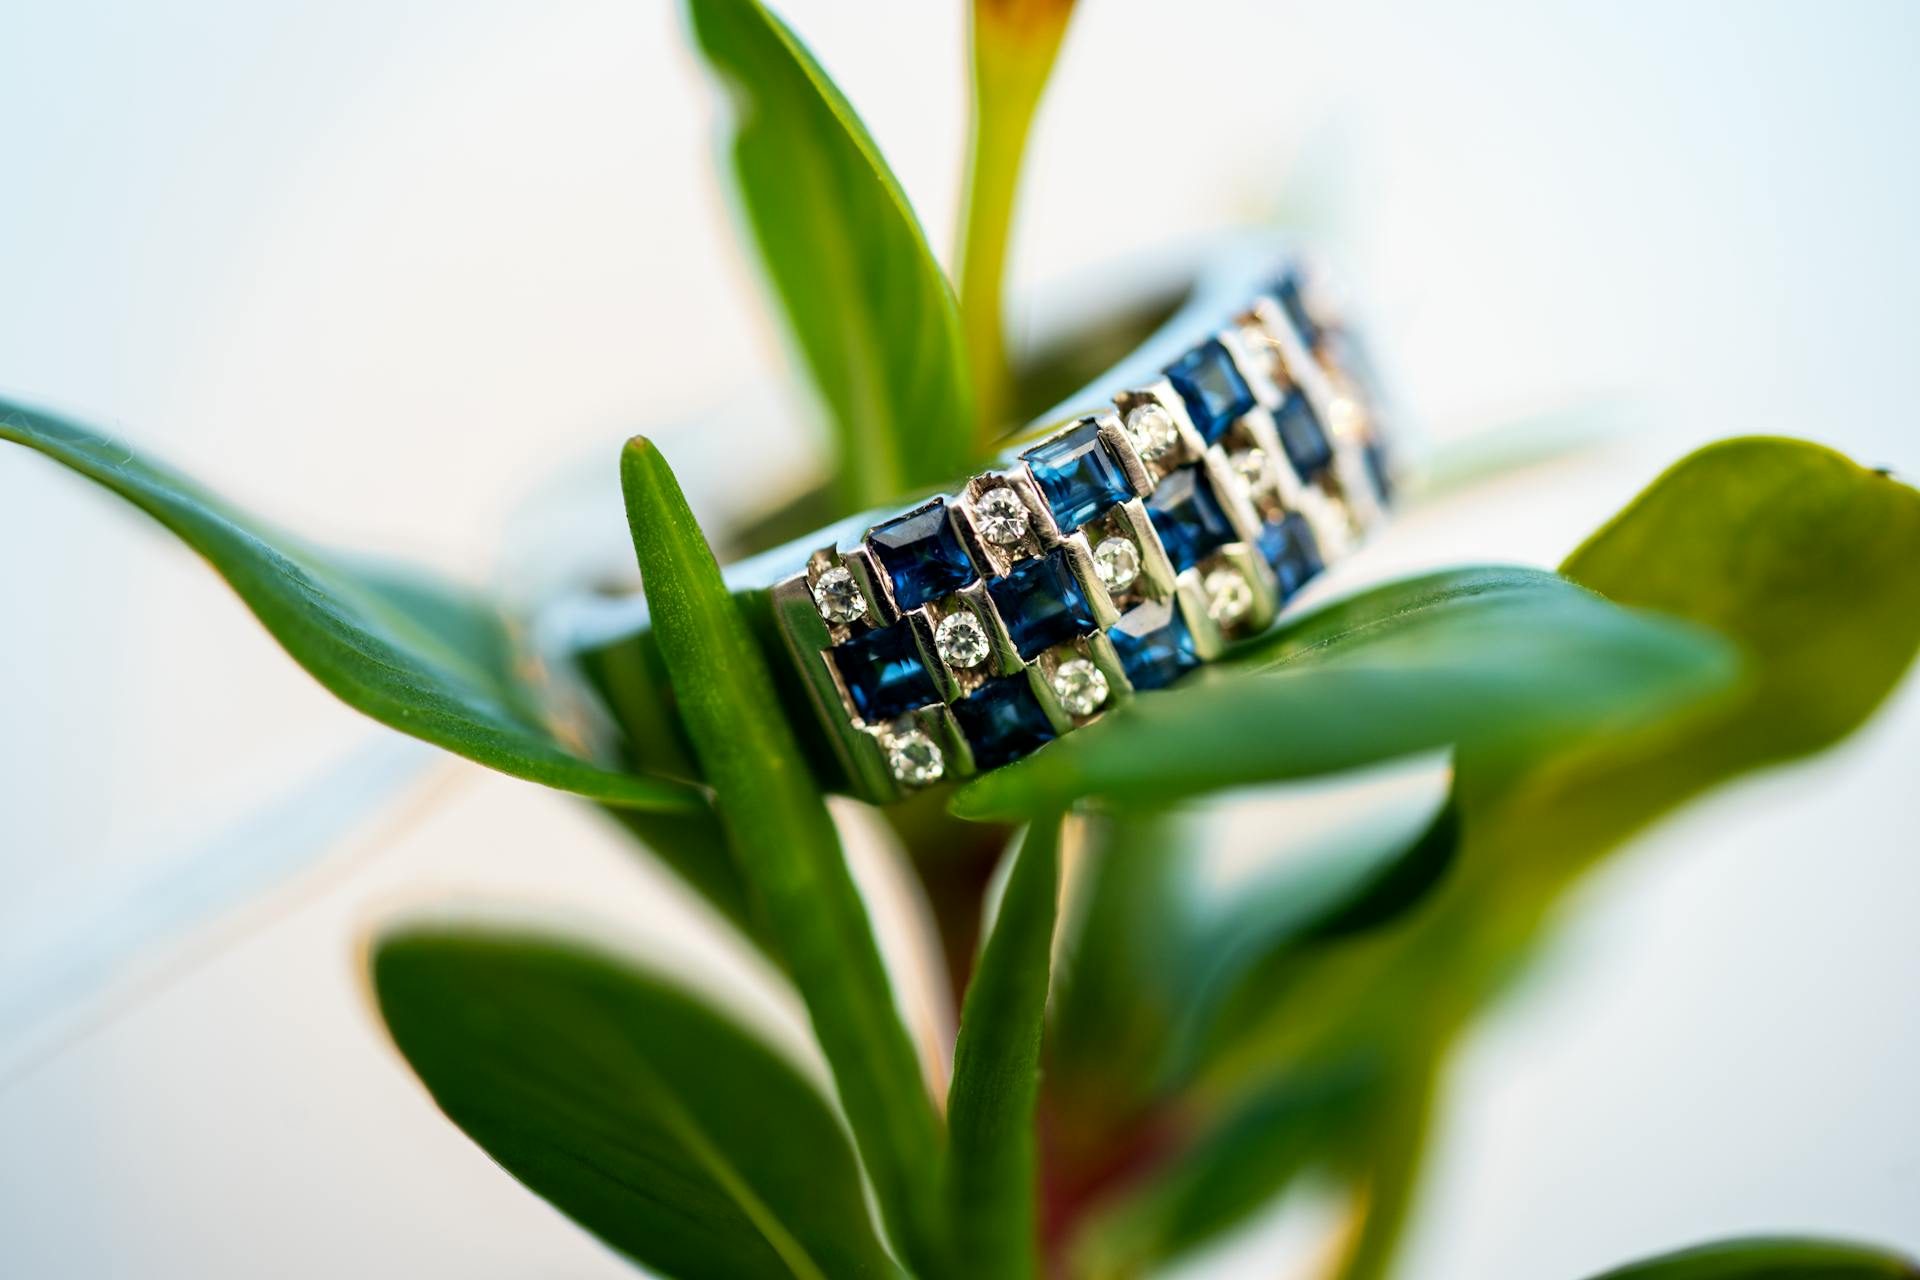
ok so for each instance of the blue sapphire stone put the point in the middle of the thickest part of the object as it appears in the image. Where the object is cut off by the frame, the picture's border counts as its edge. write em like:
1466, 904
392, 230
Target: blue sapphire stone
1154, 645
883, 673
1041, 604
1301, 434
922, 554
1378, 469
1214, 391
1289, 546
1287, 292
1079, 478
1003, 721
1188, 517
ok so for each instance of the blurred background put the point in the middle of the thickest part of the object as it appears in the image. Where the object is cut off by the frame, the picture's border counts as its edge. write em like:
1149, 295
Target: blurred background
379, 270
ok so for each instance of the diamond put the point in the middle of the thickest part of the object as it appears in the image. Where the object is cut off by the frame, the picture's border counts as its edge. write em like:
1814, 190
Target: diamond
1002, 517
1229, 595
1077, 476
1152, 430
837, 596
1080, 686
1188, 517
922, 554
1042, 604
1117, 561
1214, 391
914, 758
1154, 644
1251, 466
961, 639
1003, 721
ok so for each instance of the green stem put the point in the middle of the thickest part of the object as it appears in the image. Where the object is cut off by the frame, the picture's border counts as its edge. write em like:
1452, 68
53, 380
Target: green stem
1014, 46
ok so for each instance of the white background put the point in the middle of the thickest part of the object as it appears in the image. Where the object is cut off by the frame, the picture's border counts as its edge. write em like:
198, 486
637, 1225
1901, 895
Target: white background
378, 268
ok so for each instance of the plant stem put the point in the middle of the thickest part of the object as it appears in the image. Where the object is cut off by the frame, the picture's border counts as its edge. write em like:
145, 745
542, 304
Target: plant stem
1014, 45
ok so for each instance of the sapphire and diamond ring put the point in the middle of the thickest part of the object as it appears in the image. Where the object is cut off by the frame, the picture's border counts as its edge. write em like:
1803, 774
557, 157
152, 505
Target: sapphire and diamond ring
1112, 554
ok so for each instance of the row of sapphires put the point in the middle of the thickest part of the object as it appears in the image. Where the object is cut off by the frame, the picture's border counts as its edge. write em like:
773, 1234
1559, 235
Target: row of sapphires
1040, 601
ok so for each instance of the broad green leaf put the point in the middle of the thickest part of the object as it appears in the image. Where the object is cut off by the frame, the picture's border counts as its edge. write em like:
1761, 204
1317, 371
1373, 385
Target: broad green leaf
787, 849
1773, 1259
1014, 46
865, 300
417, 656
1807, 564
648, 1118
991, 1191
1479, 659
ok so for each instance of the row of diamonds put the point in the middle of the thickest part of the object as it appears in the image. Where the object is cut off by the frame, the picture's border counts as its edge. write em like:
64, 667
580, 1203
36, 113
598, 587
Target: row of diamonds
1113, 556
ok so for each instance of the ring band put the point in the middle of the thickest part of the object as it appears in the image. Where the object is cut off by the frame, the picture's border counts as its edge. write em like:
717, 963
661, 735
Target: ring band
1241, 451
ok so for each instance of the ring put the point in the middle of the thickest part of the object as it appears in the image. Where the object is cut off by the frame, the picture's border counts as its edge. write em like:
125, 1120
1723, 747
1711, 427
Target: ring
1242, 449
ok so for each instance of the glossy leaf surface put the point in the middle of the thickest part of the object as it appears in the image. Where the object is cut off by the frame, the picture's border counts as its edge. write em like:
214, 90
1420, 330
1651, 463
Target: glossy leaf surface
648, 1118
1477, 659
866, 302
786, 847
417, 655
1766, 1259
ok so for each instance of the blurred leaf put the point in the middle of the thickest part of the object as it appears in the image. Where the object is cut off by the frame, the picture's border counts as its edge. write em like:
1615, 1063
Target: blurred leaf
418, 656
1807, 563
1769, 1259
786, 846
990, 1106
1479, 659
865, 299
652, 1121
1014, 46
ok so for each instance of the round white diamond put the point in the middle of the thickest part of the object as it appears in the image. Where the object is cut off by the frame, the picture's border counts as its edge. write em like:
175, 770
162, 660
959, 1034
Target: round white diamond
1002, 516
1152, 430
1117, 561
1251, 466
837, 596
1229, 596
914, 758
1080, 686
961, 639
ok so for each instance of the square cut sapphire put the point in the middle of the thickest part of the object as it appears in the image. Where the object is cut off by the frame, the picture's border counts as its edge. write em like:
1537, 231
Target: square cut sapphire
1003, 721
1292, 299
1042, 603
1154, 645
1380, 470
1301, 435
922, 554
1289, 546
883, 673
1188, 517
1214, 391
1077, 475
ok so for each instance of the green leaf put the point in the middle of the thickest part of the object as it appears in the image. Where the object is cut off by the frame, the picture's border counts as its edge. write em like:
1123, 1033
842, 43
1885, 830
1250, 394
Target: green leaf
1767, 1259
417, 656
1477, 659
649, 1119
992, 1196
1014, 46
1807, 561
869, 308
785, 844
1807, 564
